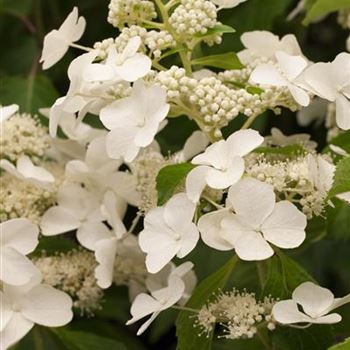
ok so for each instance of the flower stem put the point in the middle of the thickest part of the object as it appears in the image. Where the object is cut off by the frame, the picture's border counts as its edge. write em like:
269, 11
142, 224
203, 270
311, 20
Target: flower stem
184, 308
80, 47
249, 121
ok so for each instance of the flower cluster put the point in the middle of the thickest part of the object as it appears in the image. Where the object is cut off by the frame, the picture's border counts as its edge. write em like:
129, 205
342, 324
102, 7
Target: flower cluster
239, 313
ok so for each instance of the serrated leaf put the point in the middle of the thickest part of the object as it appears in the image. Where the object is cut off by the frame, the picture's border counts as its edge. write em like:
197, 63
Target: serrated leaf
30, 94
227, 60
187, 335
77, 340
345, 345
341, 181
323, 7
169, 178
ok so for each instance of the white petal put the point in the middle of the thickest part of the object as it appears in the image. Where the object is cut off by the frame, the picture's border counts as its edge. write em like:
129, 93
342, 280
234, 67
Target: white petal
319, 77
260, 42
299, 95
155, 261
242, 142
216, 155
29, 170
15, 330
16, 269
188, 240
7, 111
342, 112
285, 227
179, 211
146, 134
147, 323
47, 306
73, 26
99, 72
286, 311
196, 182
253, 200
90, 233
267, 74
328, 319
210, 228
292, 66
341, 70
131, 47
338, 302
134, 68
222, 179
57, 220
6, 310
142, 306
195, 144
20, 234
121, 143
105, 252
251, 246
314, 299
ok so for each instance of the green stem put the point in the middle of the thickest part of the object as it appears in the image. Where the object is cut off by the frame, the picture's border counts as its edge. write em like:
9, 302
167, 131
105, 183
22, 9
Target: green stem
264, 340
249, 121
184, 308
80, 47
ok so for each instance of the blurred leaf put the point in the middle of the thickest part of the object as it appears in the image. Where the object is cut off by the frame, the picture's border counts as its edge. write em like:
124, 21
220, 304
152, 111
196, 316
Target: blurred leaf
162, 324
227, 60
323, 7
218, 29
316, 229
341, 180
30, 94
52, 245
169, 178
240, 344
341, 346
316, 337
285, 150
77, 340
342, 141
188, 338
338, 220
18, 7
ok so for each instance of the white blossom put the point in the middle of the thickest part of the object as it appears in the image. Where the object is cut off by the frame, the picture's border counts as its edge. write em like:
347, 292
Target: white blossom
158, 301
257, 221
7, 111
57, 42
331, 81
19, 237
134, 120
33, 303
316, 302
168, 231
227, 4
222, 164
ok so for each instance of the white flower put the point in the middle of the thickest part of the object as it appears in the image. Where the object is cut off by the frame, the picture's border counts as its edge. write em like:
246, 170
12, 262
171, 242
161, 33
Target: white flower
57, 42
258, 220
77, 209
24, 306
221, 165
277, 138
129, 65
25, 170
285, 74
184, 271
316, 303
168, 231
331, 81
345, 196
19, 237
134, 120
158, 301
7, 111
261, 43
227, 4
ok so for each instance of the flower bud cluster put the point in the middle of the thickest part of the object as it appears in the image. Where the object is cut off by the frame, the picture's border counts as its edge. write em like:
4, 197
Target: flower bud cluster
128, 12
73, 273
22, 134
238, 312
193, 17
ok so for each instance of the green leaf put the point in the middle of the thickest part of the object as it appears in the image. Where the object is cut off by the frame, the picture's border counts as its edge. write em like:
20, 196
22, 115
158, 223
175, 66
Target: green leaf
323, 7
293, 273
227, 60
169, 178
341, 346
338, 220
77, 340
341, 182
188, 338
16, 7
285, 150
218, 29
52, 245
30, 94
342, 141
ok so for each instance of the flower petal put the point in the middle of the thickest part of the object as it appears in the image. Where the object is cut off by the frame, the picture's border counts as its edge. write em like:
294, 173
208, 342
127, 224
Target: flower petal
299, 95
342, 112
90, 233
196, 182
286, 312
267, 74
242, 142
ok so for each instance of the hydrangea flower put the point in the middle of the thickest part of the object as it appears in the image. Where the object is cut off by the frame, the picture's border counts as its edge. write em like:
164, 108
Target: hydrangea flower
221, 165
257, 221
7, 111
19, 237
158, 301
57, 42
134, 120
285, 74
331, 81
25, 170
33, 303
168, 231
316, 302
